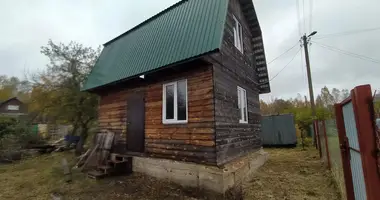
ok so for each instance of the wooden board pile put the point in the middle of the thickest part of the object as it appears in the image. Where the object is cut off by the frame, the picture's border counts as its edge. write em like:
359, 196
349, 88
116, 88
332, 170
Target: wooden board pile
99, 161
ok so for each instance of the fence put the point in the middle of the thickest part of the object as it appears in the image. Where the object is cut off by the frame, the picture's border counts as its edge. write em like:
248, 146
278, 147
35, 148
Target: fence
348, 146
331, 155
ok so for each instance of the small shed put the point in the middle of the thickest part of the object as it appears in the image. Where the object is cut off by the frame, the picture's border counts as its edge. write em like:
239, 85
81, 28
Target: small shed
278, 130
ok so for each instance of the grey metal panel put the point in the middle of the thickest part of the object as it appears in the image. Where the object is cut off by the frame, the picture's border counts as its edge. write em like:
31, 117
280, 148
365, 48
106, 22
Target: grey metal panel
357, 176
278, 130
350, 125
355, 161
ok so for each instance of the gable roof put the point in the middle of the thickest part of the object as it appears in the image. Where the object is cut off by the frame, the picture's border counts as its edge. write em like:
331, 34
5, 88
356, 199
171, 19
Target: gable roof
185, 30
8, 100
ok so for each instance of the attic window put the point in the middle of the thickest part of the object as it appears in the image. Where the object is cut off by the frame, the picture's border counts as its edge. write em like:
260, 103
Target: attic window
174, 108
238, 35
13, 107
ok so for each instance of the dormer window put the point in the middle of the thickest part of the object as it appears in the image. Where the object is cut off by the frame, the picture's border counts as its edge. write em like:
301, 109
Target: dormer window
238, 35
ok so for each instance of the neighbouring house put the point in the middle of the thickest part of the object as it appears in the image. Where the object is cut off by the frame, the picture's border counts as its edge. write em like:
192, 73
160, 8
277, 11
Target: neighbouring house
181, 92
13, 107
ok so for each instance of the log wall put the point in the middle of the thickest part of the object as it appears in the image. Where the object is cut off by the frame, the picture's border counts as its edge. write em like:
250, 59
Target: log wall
231, 69
193, 141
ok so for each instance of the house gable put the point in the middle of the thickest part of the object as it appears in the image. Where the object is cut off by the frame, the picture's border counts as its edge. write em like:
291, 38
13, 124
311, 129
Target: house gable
12, 106
186, 30
254, 54
236, 85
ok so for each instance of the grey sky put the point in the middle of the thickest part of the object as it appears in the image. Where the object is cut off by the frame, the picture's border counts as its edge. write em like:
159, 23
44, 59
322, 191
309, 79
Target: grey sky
27, 25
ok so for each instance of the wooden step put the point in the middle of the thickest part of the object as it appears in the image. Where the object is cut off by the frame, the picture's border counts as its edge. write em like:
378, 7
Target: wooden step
118, 157
96, 174
106, 168
116, 161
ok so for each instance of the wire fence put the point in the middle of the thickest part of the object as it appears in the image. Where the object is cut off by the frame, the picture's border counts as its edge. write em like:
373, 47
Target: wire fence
331, 155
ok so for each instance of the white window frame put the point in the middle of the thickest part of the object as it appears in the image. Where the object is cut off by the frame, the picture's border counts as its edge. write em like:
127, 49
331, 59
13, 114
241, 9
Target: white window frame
13, 107
175, 120
242, 100
238, 35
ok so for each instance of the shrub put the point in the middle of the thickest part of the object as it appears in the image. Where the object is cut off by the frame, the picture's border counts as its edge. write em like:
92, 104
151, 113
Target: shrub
7, 126
16, 133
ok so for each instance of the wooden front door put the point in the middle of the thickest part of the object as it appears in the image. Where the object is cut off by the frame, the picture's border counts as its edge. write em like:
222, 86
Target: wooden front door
136, 122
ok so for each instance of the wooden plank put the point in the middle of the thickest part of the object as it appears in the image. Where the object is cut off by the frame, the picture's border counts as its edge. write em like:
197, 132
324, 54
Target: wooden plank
90, 157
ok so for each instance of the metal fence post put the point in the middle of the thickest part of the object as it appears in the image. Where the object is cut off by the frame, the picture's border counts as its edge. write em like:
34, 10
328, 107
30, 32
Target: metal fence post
326, 144
362, 101
316, 125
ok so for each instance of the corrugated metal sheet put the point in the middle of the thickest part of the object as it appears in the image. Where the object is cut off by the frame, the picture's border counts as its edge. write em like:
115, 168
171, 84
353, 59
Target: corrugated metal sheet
278, 130
355, 161
185, 30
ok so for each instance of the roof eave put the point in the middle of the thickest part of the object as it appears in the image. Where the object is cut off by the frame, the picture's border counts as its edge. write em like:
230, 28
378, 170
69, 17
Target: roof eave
93, 90
257, 39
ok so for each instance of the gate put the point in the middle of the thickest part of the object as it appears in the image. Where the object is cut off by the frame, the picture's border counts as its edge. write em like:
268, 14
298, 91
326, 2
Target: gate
357, 139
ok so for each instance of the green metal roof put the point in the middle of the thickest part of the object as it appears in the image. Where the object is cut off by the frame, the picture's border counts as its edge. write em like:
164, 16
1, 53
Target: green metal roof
187, 29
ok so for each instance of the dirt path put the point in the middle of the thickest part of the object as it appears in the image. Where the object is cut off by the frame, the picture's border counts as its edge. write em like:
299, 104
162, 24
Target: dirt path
292, 174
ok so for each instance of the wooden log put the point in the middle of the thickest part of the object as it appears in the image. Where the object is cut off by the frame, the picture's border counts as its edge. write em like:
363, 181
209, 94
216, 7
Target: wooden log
183, 147
181, 136
205, 161
174, 153
208, 143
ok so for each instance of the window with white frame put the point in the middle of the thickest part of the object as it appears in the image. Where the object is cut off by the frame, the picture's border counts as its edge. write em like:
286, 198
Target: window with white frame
13, 107
242, 104
238, 35
174, 108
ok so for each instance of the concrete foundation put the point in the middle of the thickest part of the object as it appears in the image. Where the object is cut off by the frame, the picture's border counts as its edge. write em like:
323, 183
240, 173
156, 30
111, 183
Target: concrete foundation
217, 179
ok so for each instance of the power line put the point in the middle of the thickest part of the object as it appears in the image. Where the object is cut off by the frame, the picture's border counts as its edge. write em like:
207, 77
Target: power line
285, 65
347, 33
298, 17
311, 15
347, 52
303, 14
282, 54
362, 57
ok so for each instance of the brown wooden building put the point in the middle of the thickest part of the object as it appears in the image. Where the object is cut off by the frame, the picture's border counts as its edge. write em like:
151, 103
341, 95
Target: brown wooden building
184, 85
13, 107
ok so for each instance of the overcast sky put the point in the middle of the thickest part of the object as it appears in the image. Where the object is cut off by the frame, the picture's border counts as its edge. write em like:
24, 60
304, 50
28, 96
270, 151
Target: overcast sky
27, 25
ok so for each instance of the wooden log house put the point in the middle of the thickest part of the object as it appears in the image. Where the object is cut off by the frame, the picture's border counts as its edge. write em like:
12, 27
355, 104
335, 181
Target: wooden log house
184, 85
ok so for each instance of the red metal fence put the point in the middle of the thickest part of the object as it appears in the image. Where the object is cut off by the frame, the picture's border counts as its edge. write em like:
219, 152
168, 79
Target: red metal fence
348, 146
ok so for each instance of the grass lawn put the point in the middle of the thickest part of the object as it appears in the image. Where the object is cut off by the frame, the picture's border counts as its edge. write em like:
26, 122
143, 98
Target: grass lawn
292, 174
289, 174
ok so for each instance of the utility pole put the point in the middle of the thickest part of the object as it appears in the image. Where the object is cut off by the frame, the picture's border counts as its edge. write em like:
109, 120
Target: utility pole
305, 40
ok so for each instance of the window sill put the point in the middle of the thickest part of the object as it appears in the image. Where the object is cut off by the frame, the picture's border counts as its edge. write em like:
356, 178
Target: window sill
243, 122
175, 122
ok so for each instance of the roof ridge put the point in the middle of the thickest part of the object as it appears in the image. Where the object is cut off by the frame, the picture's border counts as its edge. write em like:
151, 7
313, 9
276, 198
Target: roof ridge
147, 21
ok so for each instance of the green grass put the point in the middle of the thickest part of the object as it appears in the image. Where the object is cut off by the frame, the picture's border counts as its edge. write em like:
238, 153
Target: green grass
289, 174
35, 178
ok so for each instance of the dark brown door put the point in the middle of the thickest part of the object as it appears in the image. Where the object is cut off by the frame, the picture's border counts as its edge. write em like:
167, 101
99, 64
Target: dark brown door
136, 122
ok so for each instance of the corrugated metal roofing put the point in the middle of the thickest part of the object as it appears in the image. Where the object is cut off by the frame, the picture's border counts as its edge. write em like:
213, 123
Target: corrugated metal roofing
185, 30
